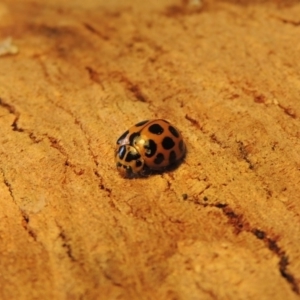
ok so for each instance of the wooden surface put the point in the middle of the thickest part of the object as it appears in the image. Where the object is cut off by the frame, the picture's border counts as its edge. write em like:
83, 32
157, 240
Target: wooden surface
225, 224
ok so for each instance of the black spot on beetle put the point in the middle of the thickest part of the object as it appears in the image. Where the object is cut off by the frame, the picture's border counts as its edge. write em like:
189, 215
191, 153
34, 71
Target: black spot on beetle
122, 137
156, 129
168, 143
132, 156
121, 152
133, 137
118, 165
159, 159
172, 157
173, 131
181, 146
150, 147
138, 163
141, 123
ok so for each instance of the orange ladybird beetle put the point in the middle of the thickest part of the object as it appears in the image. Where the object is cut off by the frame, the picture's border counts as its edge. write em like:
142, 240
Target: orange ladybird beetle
149, 145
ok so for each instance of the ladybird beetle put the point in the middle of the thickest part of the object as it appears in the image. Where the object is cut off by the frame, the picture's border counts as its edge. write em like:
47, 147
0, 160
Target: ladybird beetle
148, 145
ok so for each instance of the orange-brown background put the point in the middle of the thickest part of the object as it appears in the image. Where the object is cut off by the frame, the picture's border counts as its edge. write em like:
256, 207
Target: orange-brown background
225, 224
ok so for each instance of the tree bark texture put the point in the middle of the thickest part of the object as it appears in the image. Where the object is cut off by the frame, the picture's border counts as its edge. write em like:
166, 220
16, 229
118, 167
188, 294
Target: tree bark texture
225, 224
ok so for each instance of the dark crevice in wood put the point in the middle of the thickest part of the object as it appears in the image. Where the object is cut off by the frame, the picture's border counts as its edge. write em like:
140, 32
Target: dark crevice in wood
65, 243
25, 224
12, 110
239, 224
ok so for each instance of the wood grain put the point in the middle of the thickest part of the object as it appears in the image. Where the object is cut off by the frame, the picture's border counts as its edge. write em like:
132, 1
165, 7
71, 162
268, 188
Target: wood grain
225, 224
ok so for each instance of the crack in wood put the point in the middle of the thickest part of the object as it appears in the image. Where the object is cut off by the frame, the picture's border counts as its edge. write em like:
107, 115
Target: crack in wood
25, 222
194, 122
111, 279
287, 21
95, 76
8, 185
25, 217
54, 142
95, 31
239, 224
101, 185
136, 91
65, 243
244, 154
215, 140
133, 88
12, 110
288, 111
79, 124
284, 261
262, 99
